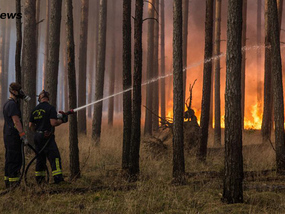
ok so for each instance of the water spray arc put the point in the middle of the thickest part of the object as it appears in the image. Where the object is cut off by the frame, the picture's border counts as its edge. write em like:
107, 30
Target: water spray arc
72, 111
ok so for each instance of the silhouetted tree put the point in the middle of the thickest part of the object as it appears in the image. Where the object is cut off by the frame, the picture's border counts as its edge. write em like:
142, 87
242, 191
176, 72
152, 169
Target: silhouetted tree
127, 81
185, 6
51, 78
82, 65
112, 70
243, 63
155, 103
178, 102
278, 102
46, 41
162, 60
149, 73
217, 52
134, 167
100, 72
18, 43
73, 138
233, 177
258, 62
207, 81
29, 62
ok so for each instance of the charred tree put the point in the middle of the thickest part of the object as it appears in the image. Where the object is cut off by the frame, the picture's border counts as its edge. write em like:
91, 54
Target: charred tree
207, 81
258, 72
73, 138
82, 66
134, 167
18, 43
155, 103
178, 102
278, 102
267, 101
127, 82
149, 74
51, 78
29, 62
233, 178
112, 70
217, 52
162, 62
100, 72
185, 6
243, 62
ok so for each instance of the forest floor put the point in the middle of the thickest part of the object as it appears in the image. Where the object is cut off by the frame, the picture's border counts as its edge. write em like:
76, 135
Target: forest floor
101, 189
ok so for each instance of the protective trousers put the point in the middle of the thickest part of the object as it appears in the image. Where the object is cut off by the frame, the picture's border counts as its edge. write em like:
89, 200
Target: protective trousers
13, 159
51, 153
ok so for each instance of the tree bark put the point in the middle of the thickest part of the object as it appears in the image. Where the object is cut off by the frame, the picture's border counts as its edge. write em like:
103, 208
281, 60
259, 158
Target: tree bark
207, 81
100, 72
185, 6
278, 102
18, 43
162, 62
280, 10
82, 66
217, 52
127, 82
6, 56
46, 42
233, 179
73, 138
258, 72
29, 63
178, 102
267, 106
112, 72
51, 79
243, 63
149, 74
134, 167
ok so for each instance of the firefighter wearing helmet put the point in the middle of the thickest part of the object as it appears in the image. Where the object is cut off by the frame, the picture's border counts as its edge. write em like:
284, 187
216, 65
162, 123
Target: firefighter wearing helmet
13, 135
43, 119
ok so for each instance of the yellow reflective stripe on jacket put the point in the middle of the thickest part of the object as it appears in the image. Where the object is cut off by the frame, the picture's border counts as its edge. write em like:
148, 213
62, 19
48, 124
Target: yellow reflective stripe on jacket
6, 178
40, 173
14, 179
56, 172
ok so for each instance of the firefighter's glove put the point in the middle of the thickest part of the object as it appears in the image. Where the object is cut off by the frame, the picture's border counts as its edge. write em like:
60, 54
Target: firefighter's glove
64, 118
24, 138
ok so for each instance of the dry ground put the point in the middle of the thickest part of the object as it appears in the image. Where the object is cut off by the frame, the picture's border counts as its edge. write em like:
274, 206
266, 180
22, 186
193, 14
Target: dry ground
102, 190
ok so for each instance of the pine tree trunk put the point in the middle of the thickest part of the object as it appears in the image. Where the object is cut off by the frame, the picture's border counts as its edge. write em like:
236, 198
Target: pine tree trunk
233, 179
46, 42
112, 69
100, 72
29, 63
6, 60
134, 167
280, 10
127, 82
278, 102
149, 74
162, 62
18, 43
243, 63
73, 138
51, 78
178, 102
185, 6
155, 123
207, 81
217, 52
267, 106
82, 66
258, 62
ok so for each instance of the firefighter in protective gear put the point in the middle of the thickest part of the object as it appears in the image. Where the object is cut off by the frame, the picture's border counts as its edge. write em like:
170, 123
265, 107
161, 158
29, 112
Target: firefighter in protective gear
43, 119
13, 135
